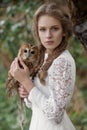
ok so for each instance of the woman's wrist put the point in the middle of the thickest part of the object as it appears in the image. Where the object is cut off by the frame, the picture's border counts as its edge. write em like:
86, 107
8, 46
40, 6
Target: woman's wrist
28, 84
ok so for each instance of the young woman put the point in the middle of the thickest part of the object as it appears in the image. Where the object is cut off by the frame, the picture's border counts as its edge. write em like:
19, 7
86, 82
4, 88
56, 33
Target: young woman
49, 99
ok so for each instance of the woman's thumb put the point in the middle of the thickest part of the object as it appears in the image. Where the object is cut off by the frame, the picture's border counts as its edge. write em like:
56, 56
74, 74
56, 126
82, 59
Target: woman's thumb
22, 63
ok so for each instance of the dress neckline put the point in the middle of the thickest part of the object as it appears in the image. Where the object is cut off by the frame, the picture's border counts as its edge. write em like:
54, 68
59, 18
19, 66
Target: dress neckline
46, 56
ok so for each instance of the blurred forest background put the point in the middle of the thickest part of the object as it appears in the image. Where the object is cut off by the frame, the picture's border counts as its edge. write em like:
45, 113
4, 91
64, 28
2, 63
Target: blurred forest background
15, 29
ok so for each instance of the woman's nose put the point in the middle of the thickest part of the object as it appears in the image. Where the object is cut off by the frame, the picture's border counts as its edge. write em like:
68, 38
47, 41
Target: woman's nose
48, 34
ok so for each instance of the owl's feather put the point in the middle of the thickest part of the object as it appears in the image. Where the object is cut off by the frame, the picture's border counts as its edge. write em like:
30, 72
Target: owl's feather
29, 54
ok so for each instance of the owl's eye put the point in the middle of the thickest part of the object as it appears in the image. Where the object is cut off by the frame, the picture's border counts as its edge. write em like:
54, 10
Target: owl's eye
25, 51
32, 52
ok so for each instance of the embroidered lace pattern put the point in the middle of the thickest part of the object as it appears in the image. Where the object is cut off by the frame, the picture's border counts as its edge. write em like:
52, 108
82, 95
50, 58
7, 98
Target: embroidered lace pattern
61, 89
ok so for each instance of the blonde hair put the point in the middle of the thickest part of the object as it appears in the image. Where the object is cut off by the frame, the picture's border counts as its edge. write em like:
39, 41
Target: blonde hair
61, 13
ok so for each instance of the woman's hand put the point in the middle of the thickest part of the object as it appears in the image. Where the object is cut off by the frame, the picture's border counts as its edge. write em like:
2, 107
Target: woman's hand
21, 74
22, 92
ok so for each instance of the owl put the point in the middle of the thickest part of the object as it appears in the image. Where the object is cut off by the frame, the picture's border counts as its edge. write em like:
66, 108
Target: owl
29, 54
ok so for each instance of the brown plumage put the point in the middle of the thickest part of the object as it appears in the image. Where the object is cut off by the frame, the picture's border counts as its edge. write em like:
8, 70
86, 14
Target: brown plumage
29, 54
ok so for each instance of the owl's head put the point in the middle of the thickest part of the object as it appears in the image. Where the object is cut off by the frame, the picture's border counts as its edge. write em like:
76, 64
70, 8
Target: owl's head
28, 52
24, 51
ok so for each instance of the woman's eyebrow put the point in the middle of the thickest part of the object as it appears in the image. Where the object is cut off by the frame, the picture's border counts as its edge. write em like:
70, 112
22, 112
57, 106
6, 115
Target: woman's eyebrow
42, 26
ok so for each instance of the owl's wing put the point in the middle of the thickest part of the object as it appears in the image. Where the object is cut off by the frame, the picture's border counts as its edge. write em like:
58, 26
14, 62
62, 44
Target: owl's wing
11, 85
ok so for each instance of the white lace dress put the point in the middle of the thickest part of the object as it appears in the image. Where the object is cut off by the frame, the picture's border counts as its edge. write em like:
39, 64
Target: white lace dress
49, 103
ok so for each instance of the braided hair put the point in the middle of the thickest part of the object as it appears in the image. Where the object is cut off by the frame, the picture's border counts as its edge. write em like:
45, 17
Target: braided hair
59, 12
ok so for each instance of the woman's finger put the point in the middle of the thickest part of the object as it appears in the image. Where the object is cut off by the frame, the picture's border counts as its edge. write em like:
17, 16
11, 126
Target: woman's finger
14, 64
22, 63
17, 67
22, 92
23, 95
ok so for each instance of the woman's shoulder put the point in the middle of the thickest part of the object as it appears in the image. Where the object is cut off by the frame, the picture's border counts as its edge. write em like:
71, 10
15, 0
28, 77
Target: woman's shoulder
65, 56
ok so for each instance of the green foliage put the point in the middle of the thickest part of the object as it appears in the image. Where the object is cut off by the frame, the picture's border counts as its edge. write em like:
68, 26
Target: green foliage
15, 25
15, 28
5, 1
9, 112
78, 53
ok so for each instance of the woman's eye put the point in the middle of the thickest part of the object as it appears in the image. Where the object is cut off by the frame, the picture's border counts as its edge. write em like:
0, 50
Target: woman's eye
42, 29
55, 28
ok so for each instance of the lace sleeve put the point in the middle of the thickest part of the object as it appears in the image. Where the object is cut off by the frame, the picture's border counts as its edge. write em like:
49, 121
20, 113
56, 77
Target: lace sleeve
61, 84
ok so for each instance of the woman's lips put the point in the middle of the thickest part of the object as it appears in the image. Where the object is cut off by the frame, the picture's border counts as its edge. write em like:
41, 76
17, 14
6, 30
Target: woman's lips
49, 42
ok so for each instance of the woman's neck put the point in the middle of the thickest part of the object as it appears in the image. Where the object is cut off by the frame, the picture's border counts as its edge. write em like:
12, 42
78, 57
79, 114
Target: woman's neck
49, 52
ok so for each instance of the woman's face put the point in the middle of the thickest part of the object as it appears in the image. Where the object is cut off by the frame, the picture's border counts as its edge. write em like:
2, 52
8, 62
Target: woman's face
50, 32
